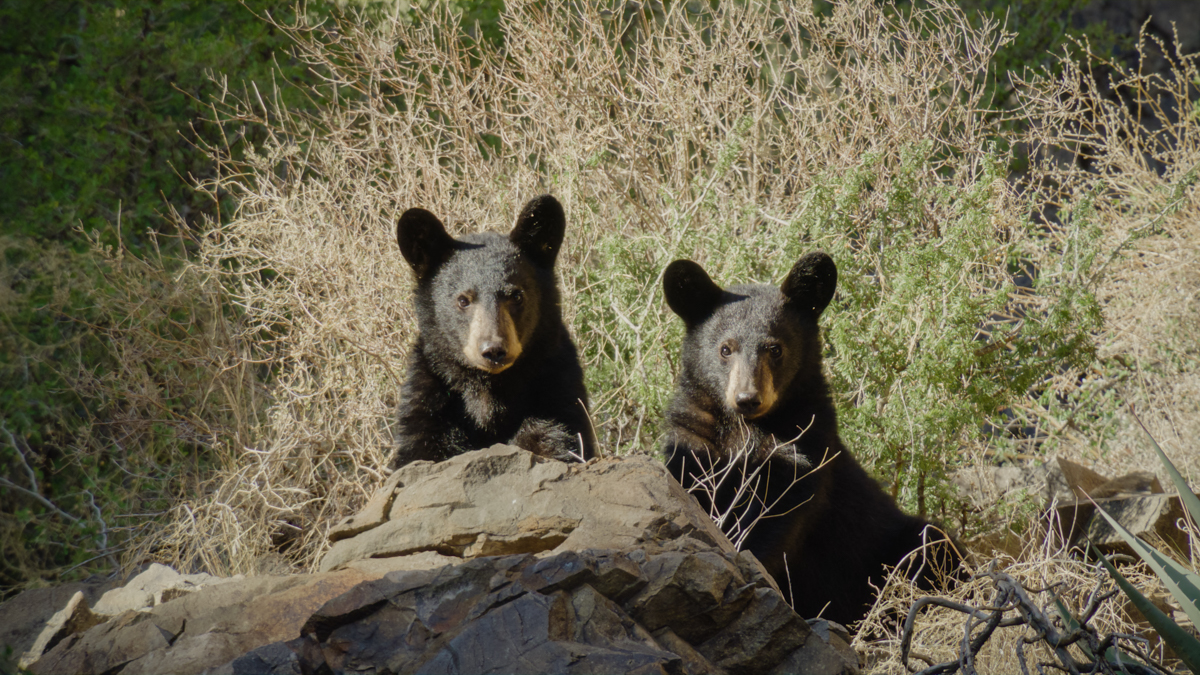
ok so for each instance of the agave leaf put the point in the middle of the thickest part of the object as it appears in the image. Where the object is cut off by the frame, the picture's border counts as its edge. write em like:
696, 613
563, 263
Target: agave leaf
1182, 582
1112, 654
1069, 619
1186, 495
1072, 624
1185, 646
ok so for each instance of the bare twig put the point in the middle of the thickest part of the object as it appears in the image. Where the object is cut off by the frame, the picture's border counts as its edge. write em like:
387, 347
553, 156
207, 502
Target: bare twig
1012, 596
33, 490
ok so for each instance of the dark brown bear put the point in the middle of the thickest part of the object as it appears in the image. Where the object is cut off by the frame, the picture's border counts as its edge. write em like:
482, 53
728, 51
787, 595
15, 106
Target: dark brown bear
493, 362
751, 425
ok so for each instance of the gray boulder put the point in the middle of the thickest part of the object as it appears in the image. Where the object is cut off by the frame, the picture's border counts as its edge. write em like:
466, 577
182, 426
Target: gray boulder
592, 611
504, 500
493, 561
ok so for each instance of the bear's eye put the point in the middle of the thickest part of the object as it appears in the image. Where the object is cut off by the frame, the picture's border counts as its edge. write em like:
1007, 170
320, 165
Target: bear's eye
725, 350
518, 296
775, 351
464, 301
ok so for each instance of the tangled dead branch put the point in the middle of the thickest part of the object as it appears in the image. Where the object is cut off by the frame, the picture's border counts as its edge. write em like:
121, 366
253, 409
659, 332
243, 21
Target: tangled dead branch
1013, 605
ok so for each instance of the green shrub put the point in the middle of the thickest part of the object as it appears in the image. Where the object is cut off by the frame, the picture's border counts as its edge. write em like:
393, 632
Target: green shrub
102, 106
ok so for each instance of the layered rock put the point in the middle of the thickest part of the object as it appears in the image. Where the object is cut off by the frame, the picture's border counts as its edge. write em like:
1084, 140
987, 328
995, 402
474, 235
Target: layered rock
494, 561
504, 500
1071, 493
202, 629
593, 611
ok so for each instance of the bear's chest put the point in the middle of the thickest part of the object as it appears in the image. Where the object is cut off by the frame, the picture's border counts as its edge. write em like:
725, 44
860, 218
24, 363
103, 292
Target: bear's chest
483, 408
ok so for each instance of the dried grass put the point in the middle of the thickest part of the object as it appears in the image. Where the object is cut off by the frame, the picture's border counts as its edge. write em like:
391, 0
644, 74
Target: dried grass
664, 135
1131, 144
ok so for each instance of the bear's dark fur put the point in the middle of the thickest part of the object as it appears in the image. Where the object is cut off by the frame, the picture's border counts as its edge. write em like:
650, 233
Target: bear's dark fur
751, 396
493, 362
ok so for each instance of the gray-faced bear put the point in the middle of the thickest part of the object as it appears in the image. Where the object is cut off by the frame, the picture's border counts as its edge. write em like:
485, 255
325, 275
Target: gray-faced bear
493, 362
752, 433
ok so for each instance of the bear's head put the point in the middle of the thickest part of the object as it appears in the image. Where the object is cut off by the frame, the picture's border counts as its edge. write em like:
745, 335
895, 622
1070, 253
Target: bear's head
750, 345
481, 299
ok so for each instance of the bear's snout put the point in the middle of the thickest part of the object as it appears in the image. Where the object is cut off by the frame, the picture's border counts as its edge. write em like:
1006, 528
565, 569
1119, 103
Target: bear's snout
492, 343
494, 352
748, 402
750, 391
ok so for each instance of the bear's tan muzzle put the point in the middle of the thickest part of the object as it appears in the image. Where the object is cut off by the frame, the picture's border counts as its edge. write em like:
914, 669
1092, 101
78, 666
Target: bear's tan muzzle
750, 391
492, 342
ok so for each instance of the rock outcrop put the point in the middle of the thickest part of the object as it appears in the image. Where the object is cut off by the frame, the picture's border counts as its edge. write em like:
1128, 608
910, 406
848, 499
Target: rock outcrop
196, 631
1071, 493
594, 611
493, 561
504, 500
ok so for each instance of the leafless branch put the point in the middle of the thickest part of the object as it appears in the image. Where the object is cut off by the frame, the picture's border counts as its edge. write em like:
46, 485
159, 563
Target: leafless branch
1013, 606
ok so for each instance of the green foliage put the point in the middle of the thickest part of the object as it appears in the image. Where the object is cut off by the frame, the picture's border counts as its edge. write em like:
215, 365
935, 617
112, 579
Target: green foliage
90, 425
40, 416
475, 20
1186, 647
480, 18
102, 106
98, 101
1042, 30
1183, 583
924, 337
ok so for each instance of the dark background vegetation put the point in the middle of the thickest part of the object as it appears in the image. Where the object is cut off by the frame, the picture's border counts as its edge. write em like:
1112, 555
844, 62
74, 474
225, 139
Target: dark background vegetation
102, 118
101, 110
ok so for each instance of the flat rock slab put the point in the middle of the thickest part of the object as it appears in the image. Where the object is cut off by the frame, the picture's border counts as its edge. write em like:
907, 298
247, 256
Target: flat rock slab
154, 586
592, 611
505, 500
1072, 492
1148, 516
197, 631
24, 617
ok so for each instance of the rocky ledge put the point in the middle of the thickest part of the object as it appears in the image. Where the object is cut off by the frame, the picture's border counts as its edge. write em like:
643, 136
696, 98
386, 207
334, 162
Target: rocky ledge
492, 562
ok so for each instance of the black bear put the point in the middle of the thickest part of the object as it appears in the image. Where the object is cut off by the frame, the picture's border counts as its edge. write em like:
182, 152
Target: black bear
752, 433
493, 362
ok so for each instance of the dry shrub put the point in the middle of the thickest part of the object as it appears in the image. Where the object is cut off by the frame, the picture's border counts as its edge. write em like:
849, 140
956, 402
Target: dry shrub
1119, 150
737, 137
669, 134
180, 384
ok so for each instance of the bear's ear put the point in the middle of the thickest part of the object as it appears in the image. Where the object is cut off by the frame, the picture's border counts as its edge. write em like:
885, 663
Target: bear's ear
690, 292
539, 230
811, 282
423, 241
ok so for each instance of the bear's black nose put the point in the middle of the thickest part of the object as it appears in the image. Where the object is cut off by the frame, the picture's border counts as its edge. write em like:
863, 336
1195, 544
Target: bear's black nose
748, 401
494, 352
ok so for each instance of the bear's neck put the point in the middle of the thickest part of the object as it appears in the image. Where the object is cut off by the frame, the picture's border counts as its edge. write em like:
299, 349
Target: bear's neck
805, 408
484, 396
488, 399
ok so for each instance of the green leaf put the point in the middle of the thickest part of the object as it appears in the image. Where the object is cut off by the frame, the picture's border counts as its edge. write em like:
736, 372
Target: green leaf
1186, 495
1185, 646
1072, 624
1182, 582
1112, 654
